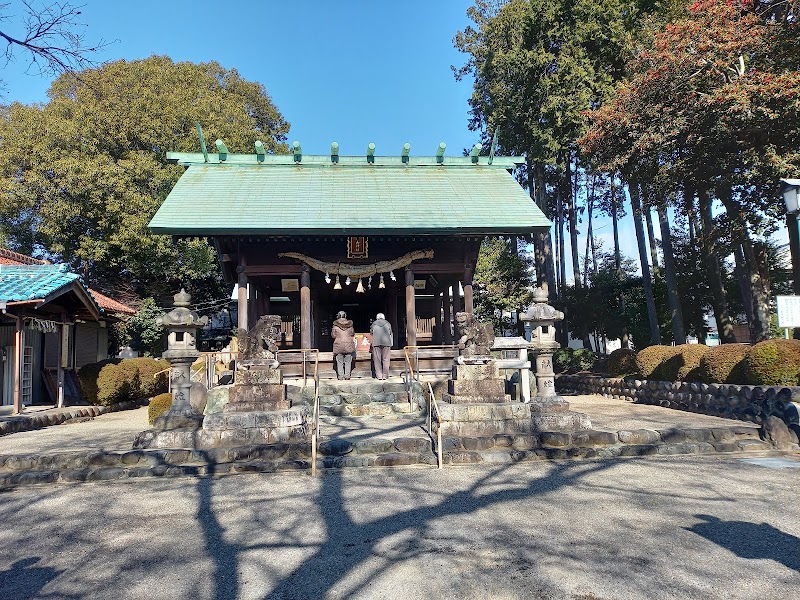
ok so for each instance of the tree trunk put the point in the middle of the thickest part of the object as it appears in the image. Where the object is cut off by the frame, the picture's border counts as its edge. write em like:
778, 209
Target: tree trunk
676, 313
615, 225
713, 270
651, 238
740, 270
755, 274
573, 223
636, 211
543, 241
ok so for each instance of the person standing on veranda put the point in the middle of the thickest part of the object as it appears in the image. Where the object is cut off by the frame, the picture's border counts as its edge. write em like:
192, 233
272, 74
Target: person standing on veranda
344, 344
382, 341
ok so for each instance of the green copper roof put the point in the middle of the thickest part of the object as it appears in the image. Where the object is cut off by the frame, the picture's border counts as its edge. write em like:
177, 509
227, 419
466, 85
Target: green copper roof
346, 199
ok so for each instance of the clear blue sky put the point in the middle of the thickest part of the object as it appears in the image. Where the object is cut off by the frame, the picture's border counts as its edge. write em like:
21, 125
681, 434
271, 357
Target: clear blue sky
352, 71
355, 71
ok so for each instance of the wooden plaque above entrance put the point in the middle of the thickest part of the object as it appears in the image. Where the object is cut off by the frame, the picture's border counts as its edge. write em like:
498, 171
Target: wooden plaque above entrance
357, 247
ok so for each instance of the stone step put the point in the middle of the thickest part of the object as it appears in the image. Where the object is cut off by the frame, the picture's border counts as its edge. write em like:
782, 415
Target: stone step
374, 409
17, 470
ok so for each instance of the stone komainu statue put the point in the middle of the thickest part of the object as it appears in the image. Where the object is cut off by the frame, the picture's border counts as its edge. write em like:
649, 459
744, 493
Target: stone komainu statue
475, 339
260, 343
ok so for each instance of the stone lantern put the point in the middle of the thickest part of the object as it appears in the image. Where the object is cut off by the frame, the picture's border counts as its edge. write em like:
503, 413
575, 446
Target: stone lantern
182, 325
542, 319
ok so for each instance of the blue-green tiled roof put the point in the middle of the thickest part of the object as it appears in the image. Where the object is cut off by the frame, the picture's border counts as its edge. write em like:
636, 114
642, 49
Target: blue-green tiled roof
32, 282
344, 199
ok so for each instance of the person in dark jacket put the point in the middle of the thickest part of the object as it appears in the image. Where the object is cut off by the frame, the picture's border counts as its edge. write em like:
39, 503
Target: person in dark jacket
382, 342
344, 344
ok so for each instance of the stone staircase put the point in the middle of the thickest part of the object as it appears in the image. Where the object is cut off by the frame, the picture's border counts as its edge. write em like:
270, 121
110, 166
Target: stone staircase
362, 398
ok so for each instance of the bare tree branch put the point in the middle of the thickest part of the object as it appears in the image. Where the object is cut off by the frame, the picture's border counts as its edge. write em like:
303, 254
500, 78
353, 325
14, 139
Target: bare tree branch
50, 35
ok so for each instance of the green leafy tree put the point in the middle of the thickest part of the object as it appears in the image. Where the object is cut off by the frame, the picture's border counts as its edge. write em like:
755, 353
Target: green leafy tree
142, 331
502, 281
82, 175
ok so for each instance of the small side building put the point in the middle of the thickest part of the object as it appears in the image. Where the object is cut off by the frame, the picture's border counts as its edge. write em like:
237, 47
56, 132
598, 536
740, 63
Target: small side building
51, 324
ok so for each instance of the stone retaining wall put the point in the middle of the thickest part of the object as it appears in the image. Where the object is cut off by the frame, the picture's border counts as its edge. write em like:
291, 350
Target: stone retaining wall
29, 422
743, 402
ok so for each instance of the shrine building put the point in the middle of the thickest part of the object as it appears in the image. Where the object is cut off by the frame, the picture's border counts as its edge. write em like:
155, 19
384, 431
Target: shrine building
307, 236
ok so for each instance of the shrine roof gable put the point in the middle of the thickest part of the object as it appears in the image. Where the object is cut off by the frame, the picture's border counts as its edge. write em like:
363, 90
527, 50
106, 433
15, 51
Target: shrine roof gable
295, 199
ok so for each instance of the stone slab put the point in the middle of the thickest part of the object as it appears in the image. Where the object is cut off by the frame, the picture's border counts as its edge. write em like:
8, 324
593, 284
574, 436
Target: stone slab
257, 375
556, 404
283, 418
484, 412
452, 399
563, 421
486, 428
486, 388
257, 397
476, 372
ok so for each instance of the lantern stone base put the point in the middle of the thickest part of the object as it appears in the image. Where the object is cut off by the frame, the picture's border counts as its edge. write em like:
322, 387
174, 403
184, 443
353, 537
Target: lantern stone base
178, 420
476, 406
230, 430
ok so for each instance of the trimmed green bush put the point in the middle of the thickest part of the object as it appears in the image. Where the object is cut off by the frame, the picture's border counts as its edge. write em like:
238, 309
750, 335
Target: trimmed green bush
117, 383
621, 362
774, 362
683, 364
725, 363
158, 406
651, 358
573, 360
561, 360
110, 381
148, 367
87, 377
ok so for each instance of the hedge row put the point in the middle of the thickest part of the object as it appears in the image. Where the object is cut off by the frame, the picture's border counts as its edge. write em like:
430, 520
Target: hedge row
112, 381
772, 362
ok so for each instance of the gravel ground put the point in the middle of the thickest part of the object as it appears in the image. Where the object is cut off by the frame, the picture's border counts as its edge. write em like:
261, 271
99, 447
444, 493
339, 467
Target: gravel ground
611, 414
678, 527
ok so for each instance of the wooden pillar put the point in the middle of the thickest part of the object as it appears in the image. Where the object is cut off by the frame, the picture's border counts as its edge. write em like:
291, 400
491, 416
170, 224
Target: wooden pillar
305, 306
411, 309
60, 373
468, 305
456, 298
392, 314
447, 319
19, 344
437, 321
242, 297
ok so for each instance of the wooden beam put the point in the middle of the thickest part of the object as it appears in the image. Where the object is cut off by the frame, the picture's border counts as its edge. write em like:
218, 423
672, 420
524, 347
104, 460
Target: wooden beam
260, 270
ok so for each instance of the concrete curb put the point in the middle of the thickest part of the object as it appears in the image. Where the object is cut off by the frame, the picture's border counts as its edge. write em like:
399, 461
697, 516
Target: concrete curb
25, 422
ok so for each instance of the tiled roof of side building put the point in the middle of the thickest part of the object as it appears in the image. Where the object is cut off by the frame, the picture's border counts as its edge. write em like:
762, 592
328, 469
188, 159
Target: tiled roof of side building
9, 257
20, 283
110, 305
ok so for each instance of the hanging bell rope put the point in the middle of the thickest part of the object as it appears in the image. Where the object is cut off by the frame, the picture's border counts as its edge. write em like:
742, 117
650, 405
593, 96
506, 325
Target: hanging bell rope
359, 271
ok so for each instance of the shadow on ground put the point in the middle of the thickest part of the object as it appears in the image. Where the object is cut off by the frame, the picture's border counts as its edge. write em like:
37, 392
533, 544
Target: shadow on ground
751, 540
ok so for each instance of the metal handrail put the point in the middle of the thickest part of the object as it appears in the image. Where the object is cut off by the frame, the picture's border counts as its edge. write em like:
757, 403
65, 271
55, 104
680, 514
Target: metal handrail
315, 409
410, 377
433, 406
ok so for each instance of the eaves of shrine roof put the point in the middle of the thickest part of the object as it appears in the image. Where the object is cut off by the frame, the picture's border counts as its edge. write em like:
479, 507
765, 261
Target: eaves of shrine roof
348, 198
